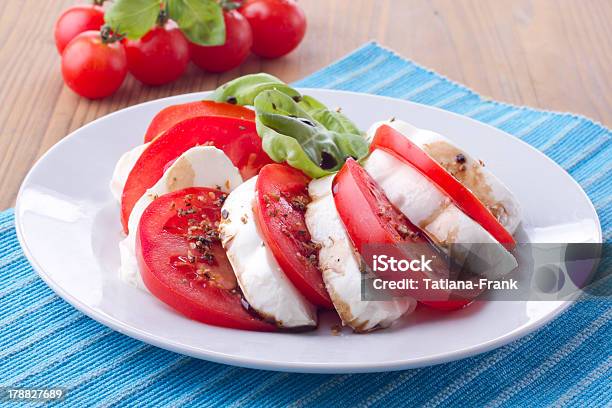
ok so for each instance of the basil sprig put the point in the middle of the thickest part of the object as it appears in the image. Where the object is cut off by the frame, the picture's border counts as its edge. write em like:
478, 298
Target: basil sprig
331, 119
200, 20
290, 134
295, 128
244, 90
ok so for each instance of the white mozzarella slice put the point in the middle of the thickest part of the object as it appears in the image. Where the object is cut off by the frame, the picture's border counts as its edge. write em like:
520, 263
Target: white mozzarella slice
340, 265
200, 166
432, 211
123, 168
263, 283
406, 187
470, 172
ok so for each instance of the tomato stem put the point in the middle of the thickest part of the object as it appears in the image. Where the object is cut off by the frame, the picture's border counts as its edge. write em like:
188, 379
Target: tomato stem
98, 2
108, 36
162, 17
231, 4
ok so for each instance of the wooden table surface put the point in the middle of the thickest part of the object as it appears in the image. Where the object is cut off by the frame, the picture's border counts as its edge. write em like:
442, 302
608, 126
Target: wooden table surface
551, 54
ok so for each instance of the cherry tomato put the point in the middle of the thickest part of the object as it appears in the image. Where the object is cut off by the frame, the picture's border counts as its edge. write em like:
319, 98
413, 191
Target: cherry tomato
404, 149
92, 68
170, 116
160, 57
376, 227
278, 26
183, 264
280, 207
74, 21
238, 42
237, 138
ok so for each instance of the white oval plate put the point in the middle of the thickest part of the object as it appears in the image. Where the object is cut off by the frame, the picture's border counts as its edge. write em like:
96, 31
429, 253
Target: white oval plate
68, 226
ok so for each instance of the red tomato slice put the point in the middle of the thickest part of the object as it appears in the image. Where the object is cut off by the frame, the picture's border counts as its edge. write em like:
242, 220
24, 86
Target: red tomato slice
183, 264
395, 143
371, 221
236, 137
447, 306
282, 196
170, 116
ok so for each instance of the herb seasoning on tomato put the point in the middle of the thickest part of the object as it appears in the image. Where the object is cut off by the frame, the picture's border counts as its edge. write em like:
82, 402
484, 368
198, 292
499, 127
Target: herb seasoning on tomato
183, 264
280, 207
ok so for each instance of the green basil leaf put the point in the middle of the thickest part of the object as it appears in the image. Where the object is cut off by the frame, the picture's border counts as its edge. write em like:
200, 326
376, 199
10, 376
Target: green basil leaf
332, 120
132, 18
290, 134
283, 148
245, 89
200, 20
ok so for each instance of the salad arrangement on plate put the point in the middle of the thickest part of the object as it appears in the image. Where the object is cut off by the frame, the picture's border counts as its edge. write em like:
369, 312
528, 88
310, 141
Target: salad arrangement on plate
253, 209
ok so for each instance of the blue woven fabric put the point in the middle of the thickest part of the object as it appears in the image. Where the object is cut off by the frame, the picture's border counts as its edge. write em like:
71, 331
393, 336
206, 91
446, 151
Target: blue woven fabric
46, 342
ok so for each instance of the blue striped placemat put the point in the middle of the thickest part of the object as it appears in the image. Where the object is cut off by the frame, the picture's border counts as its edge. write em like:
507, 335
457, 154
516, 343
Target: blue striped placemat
44, 342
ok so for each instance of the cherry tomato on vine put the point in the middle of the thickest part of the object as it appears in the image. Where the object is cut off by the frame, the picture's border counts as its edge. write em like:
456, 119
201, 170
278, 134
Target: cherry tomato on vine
74, 21
93, 67
160, 57
238, 42
278, 26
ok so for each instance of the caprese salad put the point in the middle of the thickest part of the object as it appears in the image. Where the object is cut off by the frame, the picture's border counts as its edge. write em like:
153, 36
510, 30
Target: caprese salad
251, 209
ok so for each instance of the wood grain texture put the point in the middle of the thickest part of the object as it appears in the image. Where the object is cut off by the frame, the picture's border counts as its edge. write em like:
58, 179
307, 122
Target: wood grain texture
550, 54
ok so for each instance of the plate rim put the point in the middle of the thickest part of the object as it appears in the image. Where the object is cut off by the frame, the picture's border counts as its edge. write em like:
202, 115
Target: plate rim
302, 367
